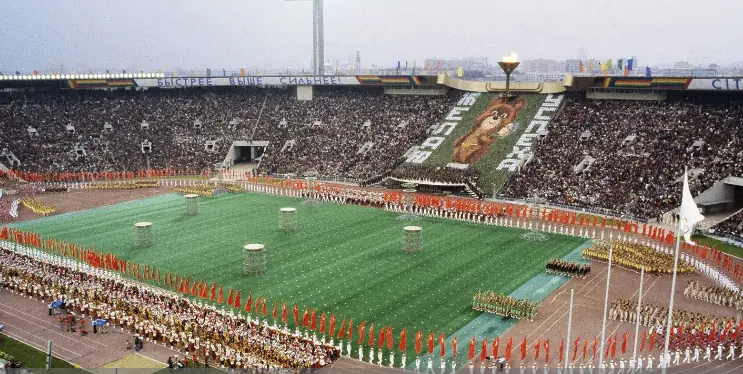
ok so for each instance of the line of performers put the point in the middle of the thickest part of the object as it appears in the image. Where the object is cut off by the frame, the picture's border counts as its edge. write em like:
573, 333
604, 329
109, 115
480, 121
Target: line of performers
714, 294
491, 302
568, 268
633, 256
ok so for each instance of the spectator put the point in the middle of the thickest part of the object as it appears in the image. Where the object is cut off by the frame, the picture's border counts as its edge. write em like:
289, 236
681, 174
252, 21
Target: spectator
180, 122
637, 178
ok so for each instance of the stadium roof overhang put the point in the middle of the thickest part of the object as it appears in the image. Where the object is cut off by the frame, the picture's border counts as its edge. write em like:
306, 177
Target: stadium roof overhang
729, 84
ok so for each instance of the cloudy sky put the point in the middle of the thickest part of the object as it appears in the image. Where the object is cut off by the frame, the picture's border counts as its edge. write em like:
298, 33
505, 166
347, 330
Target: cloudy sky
275, 34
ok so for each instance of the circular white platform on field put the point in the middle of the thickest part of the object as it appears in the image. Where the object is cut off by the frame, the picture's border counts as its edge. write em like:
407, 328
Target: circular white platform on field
191, 196
287, 210
143, 224
412, 228
254, 247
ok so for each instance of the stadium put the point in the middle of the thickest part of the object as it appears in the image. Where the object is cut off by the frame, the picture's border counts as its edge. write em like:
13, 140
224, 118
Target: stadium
421, 222
458, 228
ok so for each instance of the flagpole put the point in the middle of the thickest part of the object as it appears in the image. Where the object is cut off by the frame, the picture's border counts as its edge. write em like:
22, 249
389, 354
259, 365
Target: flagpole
570, 325
673, 286
606, 307
637, 319
670, 303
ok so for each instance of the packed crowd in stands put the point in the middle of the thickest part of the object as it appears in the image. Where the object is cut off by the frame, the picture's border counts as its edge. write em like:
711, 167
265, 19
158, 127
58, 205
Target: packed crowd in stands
637, 177
329, 130
214, 337
731, 226
331, 147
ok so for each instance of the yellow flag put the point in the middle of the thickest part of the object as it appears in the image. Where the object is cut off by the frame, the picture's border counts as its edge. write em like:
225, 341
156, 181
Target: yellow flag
460, 72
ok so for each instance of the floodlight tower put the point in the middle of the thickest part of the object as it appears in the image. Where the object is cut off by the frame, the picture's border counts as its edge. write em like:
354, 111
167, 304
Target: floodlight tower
318, 38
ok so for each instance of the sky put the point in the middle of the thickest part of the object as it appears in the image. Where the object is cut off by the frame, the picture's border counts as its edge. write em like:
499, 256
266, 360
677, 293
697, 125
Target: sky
277, 34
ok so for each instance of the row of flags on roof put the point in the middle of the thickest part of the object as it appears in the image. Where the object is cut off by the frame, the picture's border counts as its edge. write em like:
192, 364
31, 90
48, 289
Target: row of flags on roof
623, 66
430, 64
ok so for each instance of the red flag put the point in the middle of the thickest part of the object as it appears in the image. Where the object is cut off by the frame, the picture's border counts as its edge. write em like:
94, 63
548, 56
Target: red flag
263, 301
342, 330
295, 311
237, 303
403, 338
737, 330
220, 299
523, 349
370, 342
306, 317
575, 348
608, 348
275, 313
382, 335
536, 348
442, 345
651, 342
362, 326
430, 343
349, 335
331, 330
562, 348
546, 350
595, 342
728, 326
322, 323
624, 343
230, 297
471, 347
614, 347
484, 350
496, 343
454, 347
418, 341
585, 349
283, 313
508, 349
644, 336
313, 319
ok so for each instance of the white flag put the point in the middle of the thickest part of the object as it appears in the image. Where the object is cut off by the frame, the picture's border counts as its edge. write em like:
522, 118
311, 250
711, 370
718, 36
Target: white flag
688, 212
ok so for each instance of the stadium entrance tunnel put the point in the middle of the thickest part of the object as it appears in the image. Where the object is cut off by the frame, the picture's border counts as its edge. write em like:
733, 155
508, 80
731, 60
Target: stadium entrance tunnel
720, 201
246, 152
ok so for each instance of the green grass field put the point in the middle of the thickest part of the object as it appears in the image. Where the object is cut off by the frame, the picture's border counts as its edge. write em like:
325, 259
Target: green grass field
719, 244
29, 357
343, 259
